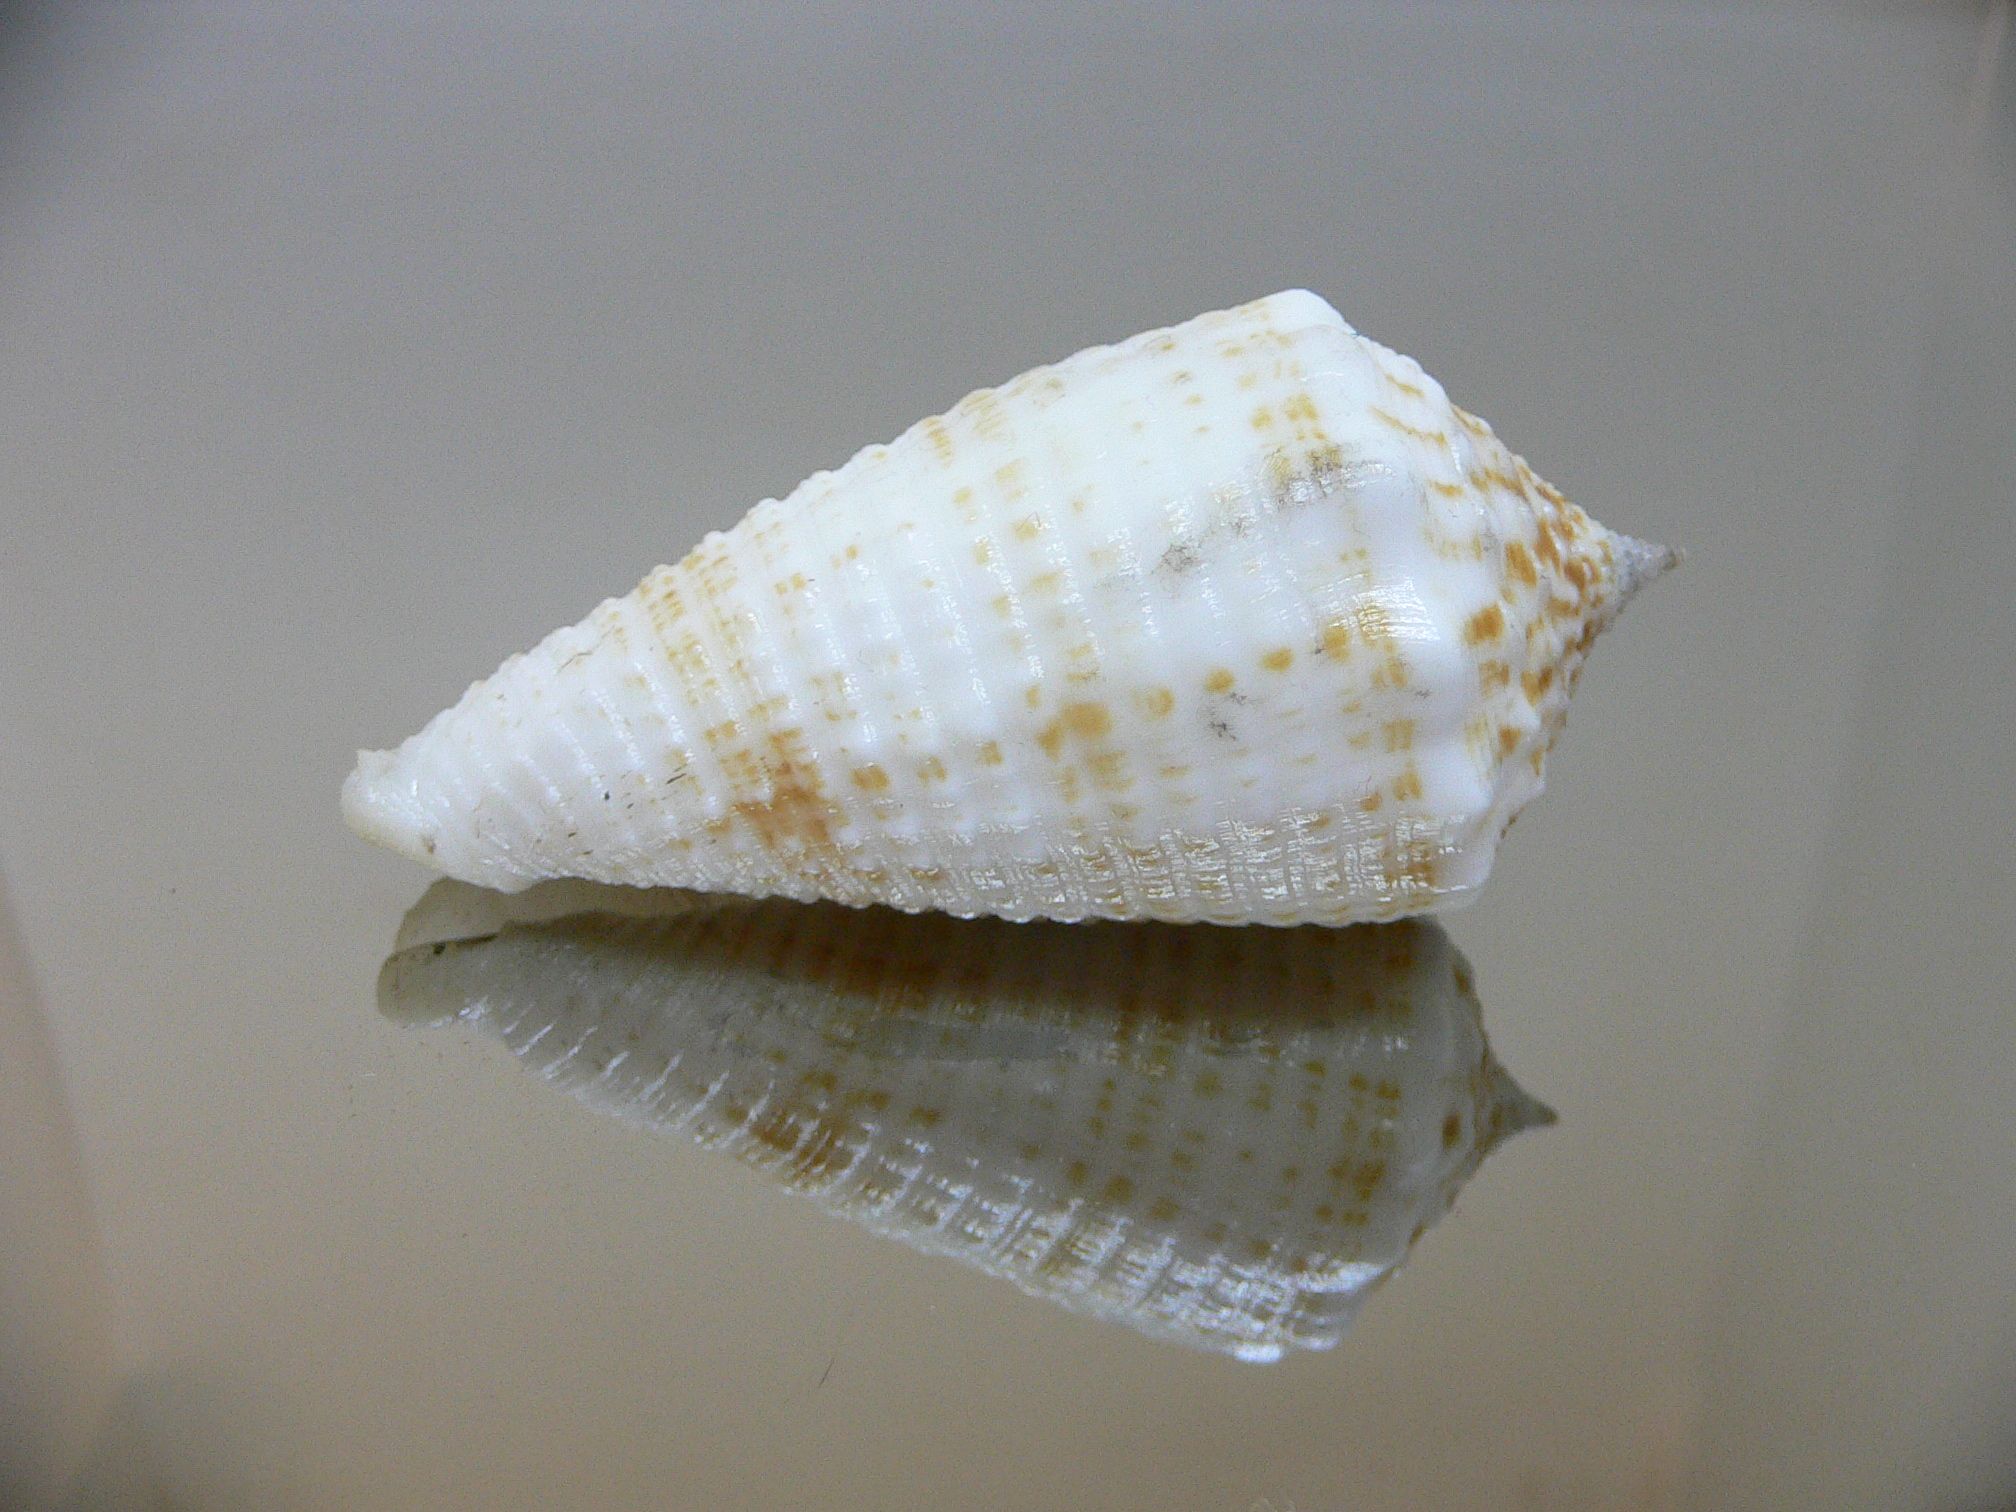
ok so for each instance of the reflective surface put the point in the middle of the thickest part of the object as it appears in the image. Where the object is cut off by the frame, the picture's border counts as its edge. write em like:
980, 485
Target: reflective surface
340, 360
1224, 1138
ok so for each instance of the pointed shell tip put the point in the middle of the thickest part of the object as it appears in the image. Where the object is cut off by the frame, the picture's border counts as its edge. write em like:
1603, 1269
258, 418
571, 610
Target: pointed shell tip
1641, 562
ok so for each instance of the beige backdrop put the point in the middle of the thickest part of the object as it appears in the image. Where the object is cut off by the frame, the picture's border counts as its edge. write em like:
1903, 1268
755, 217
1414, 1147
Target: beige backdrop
343, 353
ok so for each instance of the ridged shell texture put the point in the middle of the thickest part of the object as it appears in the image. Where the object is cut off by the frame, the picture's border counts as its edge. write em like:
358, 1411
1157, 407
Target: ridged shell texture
1240, 621
1223, 1138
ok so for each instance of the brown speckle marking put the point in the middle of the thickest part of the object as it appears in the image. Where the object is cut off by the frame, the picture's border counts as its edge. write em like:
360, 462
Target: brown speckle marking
1321, 470
1220, 680
1085, 720
1487, 624
1278, 660
1545, 546
984, 408
1484, 478
663, 604
1399, 734
1435, 436
1336, 640
783, 798
1408, 784
1493, 675
1155, 702
1519, 563
939, 439
1028, 527
990, 753
1452, 1131
1373, 623
813, 1147
1108, 771
871, 778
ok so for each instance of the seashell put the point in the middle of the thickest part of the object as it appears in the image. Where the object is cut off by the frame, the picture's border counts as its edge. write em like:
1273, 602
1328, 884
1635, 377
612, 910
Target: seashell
1240, 621
1221, 1138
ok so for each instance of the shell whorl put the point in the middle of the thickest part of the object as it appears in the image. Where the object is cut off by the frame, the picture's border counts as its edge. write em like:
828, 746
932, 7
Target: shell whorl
1240, 621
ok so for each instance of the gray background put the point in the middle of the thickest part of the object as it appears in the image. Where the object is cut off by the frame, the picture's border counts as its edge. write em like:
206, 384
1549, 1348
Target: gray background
344, 351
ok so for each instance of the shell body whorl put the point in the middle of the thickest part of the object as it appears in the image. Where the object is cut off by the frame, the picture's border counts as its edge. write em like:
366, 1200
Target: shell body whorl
1239, 621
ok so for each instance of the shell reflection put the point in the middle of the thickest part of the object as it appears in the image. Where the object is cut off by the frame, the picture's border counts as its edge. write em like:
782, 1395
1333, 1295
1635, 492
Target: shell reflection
1220, 1137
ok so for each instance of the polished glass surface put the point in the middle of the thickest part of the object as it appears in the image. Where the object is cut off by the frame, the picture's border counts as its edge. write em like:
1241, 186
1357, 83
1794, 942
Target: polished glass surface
342, 355
1221, 1138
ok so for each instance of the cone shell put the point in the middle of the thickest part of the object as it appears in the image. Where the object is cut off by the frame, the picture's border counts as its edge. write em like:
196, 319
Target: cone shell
1223, 1138
1240, 621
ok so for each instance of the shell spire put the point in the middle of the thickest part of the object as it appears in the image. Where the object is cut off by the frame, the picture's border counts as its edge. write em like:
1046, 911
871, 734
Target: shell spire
1239, 621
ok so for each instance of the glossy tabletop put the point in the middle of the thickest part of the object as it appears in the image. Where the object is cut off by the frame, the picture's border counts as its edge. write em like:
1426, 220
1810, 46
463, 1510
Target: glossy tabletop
344, 353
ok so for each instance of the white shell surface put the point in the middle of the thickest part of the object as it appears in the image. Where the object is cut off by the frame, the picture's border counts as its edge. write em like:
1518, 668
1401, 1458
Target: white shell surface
1240, 621
1221, 1138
